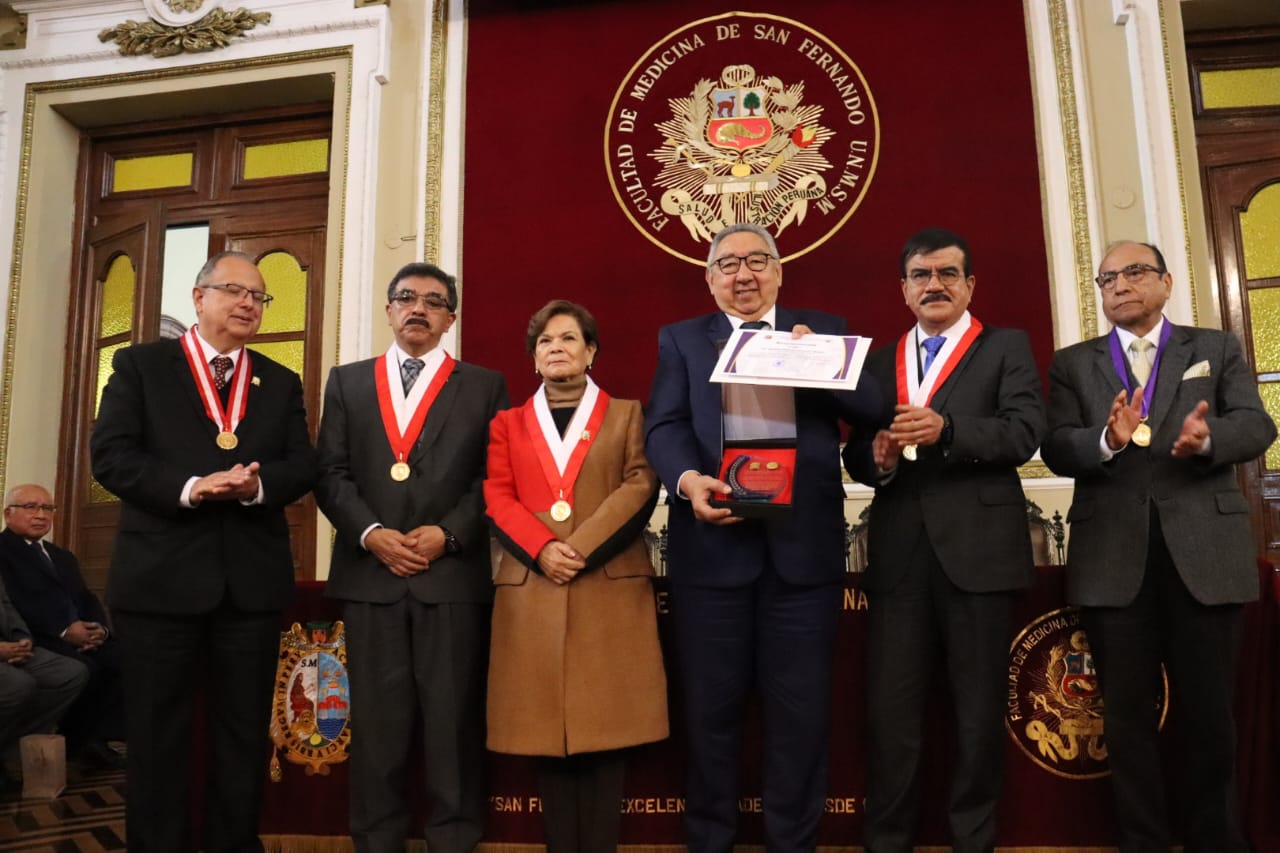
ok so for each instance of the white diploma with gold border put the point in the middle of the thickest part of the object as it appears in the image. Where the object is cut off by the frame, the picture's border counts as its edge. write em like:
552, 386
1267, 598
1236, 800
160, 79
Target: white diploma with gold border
771, 357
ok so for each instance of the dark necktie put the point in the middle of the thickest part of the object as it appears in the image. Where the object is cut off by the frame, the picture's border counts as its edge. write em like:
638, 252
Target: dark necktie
409, 370
221, 367
931, 347
45, 559
754, 324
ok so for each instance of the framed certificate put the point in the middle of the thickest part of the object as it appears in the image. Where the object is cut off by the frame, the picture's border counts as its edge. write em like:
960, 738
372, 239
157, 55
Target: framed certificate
769, 357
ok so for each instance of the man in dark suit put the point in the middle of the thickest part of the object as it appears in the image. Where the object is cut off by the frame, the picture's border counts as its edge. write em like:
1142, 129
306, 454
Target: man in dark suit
46, 586
1150, 420
755, 601
948, 541
205, 443
402, 449
37, 687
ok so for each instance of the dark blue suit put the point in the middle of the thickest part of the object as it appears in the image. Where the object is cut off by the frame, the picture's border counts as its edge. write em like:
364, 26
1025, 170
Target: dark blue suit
754, 602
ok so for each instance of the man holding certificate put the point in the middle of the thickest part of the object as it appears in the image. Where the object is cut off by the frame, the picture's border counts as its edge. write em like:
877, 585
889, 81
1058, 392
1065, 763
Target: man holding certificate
949, 542
402, 450
755, 600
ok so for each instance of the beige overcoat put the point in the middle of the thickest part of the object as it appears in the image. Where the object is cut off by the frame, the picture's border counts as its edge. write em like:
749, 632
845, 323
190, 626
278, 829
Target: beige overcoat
576, 667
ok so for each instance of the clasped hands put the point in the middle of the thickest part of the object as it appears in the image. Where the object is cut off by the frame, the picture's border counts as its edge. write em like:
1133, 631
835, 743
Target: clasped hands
917, 425
406, 554
1126, 414
15, 653
560, 561
239, 482
85, 636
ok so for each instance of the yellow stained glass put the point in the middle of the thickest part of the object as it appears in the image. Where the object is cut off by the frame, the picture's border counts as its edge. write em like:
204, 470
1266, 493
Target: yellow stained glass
1270, 392
152, 172
117, 297
1264, 320
288, 353
1240, 87
287, 282
1260, 234
105, 354
277, 159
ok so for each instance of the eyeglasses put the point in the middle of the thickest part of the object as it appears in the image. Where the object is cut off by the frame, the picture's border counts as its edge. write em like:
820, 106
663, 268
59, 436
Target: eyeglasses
947, 276
756, 262
407, 299
1133, 274
237, 292
32, 507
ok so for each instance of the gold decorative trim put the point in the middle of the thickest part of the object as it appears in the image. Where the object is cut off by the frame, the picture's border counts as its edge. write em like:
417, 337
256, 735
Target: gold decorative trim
1059, 25
1177, 158
342, 224
215, 30
435, 129
1035, 470
33, 91
15, 275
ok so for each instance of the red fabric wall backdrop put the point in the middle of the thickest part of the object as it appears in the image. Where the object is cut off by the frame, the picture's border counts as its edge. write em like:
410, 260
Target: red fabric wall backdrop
956, 148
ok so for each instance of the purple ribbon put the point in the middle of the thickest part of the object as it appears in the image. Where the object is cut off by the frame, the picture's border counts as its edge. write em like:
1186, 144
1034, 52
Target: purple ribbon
1121, 364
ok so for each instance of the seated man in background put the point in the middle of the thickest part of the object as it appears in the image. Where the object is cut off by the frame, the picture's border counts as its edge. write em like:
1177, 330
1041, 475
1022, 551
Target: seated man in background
63, 616
36, 688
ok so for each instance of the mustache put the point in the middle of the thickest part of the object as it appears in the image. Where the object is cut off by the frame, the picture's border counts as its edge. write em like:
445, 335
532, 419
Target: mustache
935, 297
417, 321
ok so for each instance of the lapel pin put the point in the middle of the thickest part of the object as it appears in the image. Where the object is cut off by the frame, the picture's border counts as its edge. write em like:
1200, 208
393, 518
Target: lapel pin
586, 435
257, 380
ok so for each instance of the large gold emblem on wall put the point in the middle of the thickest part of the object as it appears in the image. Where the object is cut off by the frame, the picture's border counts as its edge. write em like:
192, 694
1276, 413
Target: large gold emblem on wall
741, 118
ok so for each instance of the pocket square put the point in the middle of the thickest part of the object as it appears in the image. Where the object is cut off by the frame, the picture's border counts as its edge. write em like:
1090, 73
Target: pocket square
1197, 370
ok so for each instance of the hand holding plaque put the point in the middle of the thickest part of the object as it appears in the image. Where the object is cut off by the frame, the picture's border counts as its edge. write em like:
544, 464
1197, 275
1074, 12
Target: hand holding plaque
761, 477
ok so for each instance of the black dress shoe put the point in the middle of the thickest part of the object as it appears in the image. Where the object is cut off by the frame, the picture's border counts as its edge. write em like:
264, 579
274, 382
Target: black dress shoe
97, 755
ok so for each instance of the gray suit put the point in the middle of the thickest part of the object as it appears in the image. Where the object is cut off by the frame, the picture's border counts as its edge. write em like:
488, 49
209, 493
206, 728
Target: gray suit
419, 641
1161, 557
33, 695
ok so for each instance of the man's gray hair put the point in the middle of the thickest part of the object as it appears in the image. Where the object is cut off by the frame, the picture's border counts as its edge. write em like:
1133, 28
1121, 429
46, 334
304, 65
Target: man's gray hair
740, 228
207, 269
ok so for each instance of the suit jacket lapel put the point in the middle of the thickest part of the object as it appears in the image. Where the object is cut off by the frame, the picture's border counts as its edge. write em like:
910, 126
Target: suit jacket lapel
188, 383
1105, 370
1173, 363
943, 394
437, 415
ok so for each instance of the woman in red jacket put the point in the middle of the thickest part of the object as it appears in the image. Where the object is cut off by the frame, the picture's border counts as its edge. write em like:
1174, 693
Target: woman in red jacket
575, 670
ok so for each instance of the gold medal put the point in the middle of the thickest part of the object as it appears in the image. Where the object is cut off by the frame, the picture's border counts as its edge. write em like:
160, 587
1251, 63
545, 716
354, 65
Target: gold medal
560, 510
400, 472
1142, 434
227, 440
909, 453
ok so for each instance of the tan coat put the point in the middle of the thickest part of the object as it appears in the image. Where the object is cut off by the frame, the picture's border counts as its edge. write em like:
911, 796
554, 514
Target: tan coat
576, 667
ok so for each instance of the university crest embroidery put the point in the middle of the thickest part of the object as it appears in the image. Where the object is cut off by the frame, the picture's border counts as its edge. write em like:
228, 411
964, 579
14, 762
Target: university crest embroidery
1054, 707
788, 142
309, 717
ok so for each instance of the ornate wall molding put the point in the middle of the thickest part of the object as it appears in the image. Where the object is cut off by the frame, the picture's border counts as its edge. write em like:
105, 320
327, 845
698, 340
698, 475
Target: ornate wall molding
1159, 155
211, 32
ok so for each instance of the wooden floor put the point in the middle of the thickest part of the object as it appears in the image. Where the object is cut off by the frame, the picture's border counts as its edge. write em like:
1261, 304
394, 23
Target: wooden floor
87, 818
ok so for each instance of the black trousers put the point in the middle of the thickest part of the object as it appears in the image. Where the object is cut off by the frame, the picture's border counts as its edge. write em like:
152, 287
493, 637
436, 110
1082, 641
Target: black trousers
232, 654
414, 664
582, 801
921, 628
779, 639
1199, 646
